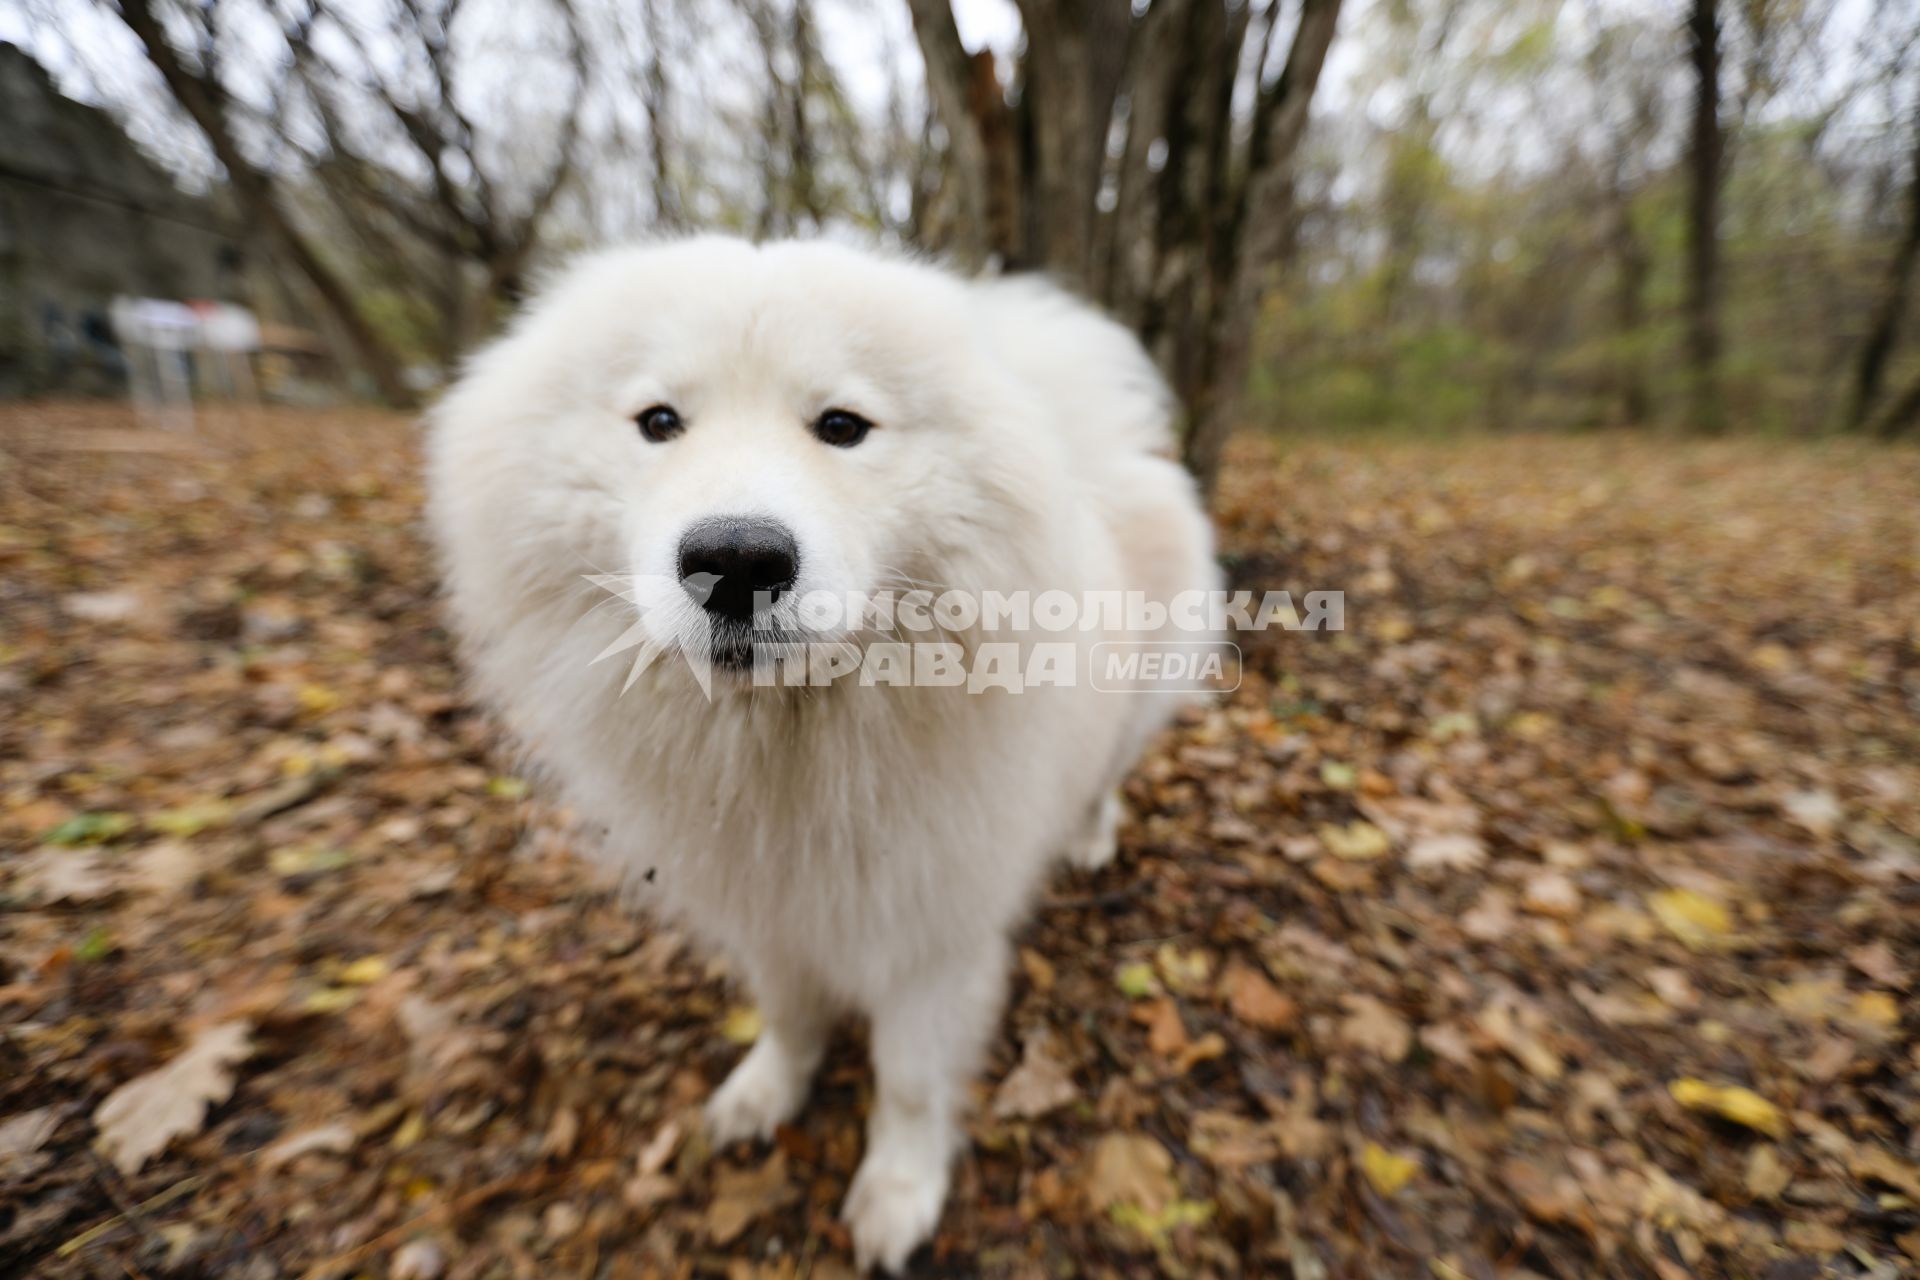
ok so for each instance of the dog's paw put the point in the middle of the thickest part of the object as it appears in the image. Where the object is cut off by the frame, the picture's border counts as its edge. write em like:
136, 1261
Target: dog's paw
892, 1209
1100, 841
763, 1093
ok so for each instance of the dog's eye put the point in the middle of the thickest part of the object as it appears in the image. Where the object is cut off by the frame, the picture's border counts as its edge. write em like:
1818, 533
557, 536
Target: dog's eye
841, 429
658, 423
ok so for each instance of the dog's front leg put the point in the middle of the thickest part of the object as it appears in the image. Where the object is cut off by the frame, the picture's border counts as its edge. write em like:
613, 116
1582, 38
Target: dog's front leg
766, 1089
928, 1036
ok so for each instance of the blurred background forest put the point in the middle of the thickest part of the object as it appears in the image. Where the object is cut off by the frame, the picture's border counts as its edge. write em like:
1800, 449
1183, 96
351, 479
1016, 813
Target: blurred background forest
1417, 214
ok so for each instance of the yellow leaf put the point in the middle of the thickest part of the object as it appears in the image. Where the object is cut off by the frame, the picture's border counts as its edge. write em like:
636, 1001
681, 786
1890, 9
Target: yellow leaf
1531, 725
330, 1000
1186, 972
366, 970
1135, 980
742, 1024
1388, 1171
1692, 917
191, 819
1732, 1102
1876, 1009
1155, 1227
411, 1130
1338, 776
299, 860
1356, 842
317, 699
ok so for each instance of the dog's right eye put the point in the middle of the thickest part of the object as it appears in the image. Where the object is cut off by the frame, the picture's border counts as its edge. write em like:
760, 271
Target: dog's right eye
659, 423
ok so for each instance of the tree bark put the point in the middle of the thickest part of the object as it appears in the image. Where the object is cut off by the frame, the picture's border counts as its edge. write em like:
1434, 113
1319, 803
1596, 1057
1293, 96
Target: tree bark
1900, 416
1878, 348
1259, 237
1631, 267
1076, 54
1705, 161
950, 72
202, 100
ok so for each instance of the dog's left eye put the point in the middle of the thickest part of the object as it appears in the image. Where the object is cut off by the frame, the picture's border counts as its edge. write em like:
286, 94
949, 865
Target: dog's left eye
841, 429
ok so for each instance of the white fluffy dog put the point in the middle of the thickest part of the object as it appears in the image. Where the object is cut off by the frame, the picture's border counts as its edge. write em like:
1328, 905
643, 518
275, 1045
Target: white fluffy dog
759, 423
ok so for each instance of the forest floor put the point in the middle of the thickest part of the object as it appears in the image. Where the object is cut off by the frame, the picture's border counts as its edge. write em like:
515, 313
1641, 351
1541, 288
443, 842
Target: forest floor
1560, 916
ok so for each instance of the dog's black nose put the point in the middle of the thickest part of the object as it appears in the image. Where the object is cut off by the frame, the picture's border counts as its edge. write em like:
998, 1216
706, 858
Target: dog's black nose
725, 563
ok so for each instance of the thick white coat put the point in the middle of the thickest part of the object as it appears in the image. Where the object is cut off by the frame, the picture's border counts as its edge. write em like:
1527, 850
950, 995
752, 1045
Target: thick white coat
852, 848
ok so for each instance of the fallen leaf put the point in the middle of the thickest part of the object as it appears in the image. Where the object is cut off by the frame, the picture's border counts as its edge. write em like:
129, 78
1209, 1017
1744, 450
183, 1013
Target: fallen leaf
365, 971
335, 1138
166, 866
1256, 1001
1229, 1141
1866, 1160
1816, 811
1135, 980
1732, 1102
1039, 1084
1129, 1169
62, 875
1208, 1047
1357, 841
1183, 971
1876, 1009
741, 1025
1551, 893
1446, 853
1767, 1173
24, 1134
660, 1148
1373, 1027
1166, 1033
417, 1260
1876, 960
139, 1119
1388, 1171
1691, 916
740, 1196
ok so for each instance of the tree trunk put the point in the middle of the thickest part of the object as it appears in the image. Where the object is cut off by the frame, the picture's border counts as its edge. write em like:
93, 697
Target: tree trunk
1703, 222
201, 100
1901, 415
950, 72
1632, 267
1076, 54
1259, 236
1886, 321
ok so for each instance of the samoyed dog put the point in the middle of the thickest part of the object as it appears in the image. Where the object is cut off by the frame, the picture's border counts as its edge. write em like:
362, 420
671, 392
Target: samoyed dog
726, 431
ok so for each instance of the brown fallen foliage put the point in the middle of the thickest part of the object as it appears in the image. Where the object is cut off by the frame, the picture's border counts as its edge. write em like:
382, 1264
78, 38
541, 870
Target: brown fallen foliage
1560, 917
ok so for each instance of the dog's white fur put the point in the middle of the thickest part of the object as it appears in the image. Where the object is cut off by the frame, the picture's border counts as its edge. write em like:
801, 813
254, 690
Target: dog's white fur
852, 848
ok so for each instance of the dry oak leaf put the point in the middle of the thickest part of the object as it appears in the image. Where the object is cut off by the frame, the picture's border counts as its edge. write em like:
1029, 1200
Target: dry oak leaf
1129, 1168
742, 1195
1256, 1001
1229, 1141
1372, 1026
1041, 1083
1449, 852
139, 1119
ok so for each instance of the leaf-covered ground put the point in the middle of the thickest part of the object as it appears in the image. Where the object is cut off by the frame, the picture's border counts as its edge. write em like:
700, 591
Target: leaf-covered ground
1559, 917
